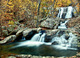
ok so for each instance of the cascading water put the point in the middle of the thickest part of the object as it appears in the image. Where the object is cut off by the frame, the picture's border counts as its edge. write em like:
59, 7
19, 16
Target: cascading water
63, 43
36, 40
69, 12
66, 12
36, 37
40, 37
60, 12
71, 38
62, 25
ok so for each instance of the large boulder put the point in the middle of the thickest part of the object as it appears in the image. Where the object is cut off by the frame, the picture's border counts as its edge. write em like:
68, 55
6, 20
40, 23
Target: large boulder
74, 24
27, 31
19, 32
51, 32
8, 39
50, 23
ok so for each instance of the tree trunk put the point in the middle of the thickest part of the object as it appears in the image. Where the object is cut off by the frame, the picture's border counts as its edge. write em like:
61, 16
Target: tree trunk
53, 7
79, 6
38, 13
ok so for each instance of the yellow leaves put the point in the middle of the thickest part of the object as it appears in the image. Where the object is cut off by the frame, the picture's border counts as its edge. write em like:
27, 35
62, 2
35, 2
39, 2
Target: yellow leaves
20, 6
35, 4
11, 23
10, 13
52, 0
77, 7
10, 2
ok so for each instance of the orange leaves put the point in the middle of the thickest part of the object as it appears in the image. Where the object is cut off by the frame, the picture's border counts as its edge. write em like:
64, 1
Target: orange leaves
17, 8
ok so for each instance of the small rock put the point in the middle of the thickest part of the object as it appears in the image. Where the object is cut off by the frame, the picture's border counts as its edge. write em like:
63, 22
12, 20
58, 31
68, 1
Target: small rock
55, 43
60, 57
8, 39
11, 57
29, 56
4, 27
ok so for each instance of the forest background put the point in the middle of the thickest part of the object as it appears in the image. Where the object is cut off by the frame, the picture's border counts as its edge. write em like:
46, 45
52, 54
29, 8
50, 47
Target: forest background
31, 11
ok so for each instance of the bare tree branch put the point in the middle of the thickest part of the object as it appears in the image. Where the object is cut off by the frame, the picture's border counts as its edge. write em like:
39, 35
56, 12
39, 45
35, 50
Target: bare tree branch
38, 13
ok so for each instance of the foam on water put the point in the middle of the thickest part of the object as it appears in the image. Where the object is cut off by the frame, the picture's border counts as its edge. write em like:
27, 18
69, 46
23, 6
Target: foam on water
31, 43
63, 25
63, 47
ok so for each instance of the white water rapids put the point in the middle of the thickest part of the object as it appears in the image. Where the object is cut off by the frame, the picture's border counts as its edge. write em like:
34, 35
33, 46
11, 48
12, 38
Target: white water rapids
39, 38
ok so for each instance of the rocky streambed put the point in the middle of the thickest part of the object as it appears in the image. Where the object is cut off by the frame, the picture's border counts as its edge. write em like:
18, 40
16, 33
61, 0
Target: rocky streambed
50, 25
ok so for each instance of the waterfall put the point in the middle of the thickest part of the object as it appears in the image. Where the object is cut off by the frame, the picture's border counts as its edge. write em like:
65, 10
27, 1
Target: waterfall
63, 25
69, 12
71, 38
42, 38
63, 43
65, 12
60, 12
36, 40
59, 42
36, 37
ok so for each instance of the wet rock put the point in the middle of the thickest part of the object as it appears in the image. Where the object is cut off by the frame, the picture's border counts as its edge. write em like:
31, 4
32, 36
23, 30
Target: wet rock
5, 32
67, 36
55, 43
11, 57
4, 27
28, 34
27, 31
78, 55
19, 32
10, 28
74, 23
19, 35
51, 32
29, 56
50, 23
8, 39
21, 56
60, 33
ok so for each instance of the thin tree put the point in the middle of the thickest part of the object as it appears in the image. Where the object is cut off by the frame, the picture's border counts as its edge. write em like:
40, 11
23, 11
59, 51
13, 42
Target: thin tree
39, 1
79, 6
0, 22
53, 7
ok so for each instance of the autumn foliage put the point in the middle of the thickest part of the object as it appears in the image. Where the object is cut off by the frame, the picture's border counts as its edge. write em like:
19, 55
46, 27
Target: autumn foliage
27, 9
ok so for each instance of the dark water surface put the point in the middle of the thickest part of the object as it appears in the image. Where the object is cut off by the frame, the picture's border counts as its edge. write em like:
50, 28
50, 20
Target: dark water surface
42, 50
